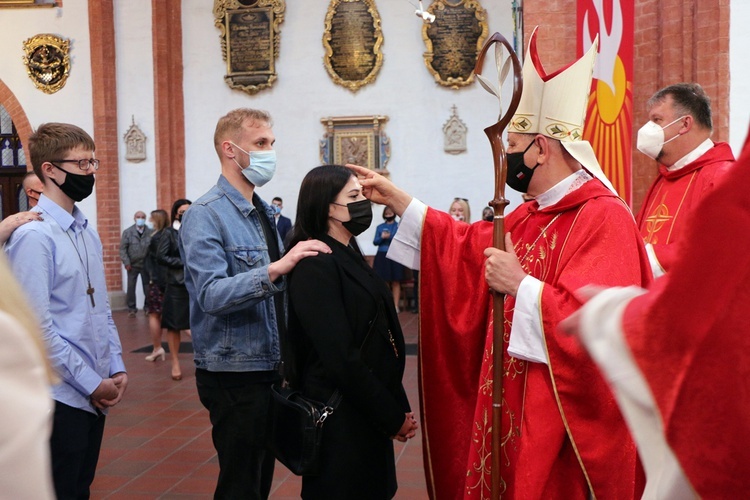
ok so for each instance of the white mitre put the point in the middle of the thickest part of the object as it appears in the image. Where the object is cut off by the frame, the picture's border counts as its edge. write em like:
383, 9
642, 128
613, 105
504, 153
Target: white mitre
555, 105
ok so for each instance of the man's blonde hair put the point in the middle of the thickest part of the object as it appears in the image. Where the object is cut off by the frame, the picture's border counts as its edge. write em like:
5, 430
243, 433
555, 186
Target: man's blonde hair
230, 125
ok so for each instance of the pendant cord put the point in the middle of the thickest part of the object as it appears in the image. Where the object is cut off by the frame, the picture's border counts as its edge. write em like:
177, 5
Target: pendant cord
85, 267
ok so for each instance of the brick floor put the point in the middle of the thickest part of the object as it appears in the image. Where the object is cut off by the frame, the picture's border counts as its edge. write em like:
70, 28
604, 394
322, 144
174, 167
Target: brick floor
157, 441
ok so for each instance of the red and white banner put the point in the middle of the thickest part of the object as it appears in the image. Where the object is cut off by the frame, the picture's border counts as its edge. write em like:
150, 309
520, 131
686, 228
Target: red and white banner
609, 118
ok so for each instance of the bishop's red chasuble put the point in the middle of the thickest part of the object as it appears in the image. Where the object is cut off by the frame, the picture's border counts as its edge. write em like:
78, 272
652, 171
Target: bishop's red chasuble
562, 434
690, 336
674, 195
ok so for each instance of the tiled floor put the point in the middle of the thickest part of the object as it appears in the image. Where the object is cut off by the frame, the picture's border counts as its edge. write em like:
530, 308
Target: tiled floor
157, 441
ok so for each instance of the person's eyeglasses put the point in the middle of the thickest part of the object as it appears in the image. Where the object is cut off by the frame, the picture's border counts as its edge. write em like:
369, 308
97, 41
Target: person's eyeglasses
462, 199
83, 164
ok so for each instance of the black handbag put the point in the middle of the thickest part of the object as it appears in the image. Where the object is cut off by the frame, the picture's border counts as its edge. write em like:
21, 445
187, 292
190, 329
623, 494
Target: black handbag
296, 428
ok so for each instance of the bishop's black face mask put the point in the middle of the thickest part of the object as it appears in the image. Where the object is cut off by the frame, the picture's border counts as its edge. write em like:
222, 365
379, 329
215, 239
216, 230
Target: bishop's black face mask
360, 216
519, 175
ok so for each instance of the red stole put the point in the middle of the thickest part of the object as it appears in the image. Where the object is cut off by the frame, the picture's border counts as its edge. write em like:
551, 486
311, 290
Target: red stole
672, 197
690, 337
562, 432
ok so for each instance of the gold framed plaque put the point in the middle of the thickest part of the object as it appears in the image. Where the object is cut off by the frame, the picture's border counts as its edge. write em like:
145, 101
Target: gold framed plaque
250, 34
356, 139
352, 41
454, 40
47, 61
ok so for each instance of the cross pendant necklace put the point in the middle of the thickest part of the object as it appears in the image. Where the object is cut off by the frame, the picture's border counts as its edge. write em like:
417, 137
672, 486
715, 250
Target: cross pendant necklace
90, 290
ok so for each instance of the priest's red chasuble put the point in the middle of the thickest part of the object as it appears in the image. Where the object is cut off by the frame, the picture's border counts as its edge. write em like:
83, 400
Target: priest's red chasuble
690, 336
562, 434
674, 195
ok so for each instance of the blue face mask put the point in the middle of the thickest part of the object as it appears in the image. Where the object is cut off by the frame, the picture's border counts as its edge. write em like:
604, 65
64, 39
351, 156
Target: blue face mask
262, 166
140, 222
276, 209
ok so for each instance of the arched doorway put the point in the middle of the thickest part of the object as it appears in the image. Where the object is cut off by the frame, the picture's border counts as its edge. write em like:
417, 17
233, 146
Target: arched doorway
14, 130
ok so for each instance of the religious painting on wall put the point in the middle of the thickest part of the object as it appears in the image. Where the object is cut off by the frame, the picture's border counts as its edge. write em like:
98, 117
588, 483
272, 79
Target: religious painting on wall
454, 40
250, 36
356, 139
609, 116
352, 41
47, 61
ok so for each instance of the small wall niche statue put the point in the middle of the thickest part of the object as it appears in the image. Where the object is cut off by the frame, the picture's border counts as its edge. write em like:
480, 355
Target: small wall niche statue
454, 40
454, 134
352, 42
47, 61
250, 34
356, 139
135, 143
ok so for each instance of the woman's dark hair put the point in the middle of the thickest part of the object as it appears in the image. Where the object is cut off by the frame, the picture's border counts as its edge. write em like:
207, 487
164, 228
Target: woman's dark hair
176, 205
386, 209
319, 188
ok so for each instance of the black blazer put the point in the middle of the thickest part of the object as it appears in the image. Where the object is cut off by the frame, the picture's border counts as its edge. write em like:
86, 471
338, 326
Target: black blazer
334, 299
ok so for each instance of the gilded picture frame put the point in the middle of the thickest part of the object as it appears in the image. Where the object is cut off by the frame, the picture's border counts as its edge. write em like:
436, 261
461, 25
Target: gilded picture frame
352, 41
250, 34
454, 40
360, 140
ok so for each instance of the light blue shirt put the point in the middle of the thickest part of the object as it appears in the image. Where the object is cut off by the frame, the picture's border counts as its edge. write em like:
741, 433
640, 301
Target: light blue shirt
81, 340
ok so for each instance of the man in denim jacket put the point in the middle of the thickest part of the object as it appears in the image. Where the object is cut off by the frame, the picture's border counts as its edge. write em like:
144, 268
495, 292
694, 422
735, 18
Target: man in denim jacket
235, 279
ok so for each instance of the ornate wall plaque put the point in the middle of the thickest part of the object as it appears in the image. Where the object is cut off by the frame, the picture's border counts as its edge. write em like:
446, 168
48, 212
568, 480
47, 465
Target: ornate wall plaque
356, 139
352, 41
47, 61
454, 40
454, 134
250, 34
135, 143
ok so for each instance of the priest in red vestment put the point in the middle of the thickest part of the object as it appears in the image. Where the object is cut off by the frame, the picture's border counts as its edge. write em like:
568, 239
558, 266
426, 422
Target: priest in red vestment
562, 434
678, 356
677, 136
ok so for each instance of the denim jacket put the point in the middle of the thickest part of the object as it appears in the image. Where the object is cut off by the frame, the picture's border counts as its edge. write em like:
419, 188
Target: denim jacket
232, 314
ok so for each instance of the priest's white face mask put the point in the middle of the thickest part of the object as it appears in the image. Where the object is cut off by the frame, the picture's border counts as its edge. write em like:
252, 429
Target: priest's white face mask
651, 138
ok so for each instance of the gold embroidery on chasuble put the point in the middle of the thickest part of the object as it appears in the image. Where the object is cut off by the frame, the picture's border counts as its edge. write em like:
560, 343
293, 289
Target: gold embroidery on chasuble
656, 220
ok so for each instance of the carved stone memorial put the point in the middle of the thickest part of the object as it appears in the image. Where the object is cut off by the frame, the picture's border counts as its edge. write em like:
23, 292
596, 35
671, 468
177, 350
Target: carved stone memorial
250, 34
352, 42
454, 134
454, 40
135, 143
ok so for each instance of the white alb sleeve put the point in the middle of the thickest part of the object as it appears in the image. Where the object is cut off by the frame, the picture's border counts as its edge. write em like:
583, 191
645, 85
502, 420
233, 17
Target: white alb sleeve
405, 246
526, 339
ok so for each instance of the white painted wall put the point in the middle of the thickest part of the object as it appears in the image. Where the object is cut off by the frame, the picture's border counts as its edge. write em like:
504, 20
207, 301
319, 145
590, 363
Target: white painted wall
739, 72
404, 91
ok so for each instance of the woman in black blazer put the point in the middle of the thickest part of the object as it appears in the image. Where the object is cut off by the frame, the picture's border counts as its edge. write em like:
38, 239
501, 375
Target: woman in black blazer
345, 335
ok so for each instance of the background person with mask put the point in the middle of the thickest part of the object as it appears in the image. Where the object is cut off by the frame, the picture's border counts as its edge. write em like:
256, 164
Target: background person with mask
389, 271
678, 137
283, 224
58, 262
133, 251
175, 310
33, 187
234, 274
